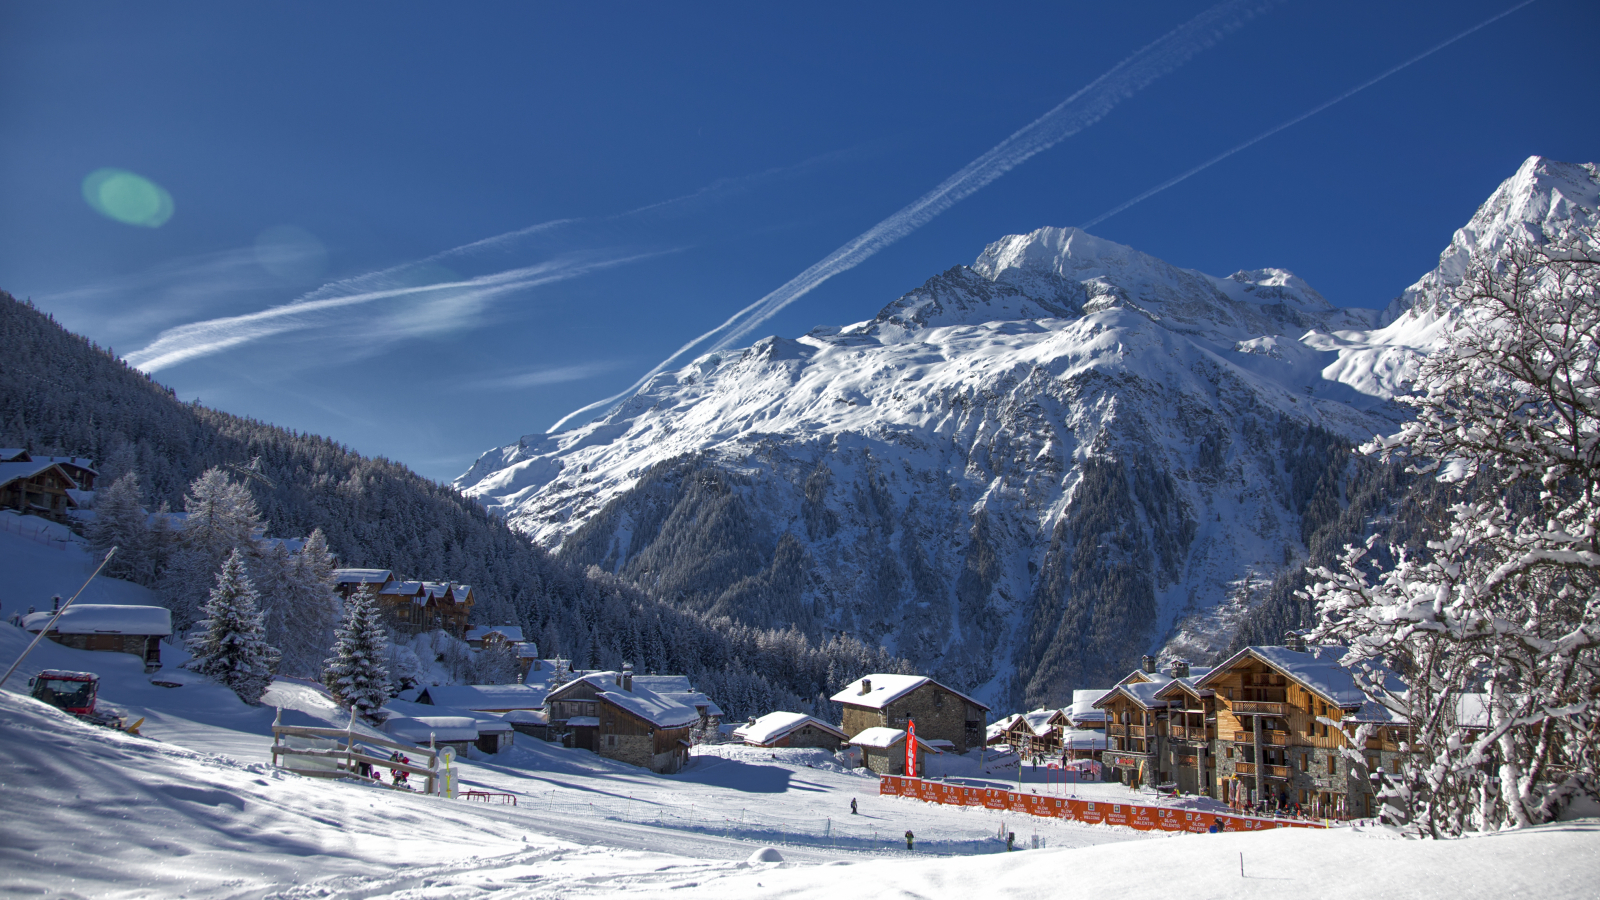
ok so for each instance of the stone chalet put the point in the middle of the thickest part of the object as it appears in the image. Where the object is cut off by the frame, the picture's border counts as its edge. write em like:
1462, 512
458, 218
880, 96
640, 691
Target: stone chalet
611, 715
883, 750
890, 701
787, 729
137, 630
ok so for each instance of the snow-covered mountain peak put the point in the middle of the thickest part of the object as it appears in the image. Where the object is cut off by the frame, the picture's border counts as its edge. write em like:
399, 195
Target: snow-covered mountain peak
1543, 200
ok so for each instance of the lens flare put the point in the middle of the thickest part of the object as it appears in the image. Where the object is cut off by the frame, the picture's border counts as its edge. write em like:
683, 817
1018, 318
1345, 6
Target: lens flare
124, 197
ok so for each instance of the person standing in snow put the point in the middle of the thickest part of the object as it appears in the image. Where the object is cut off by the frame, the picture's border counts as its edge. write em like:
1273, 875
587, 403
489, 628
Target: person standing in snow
909, 838
1011, 839
853, 806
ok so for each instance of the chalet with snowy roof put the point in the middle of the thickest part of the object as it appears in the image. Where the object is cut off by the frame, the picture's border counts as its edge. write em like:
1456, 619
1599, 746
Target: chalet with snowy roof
1283, 713
678, 688
412, 607
490, 732
890, 701
787, 729
883, 750
111, 628
79, 468
611, 715
1189, 760
33, 487
1136, 718
1037, 732
1083, 714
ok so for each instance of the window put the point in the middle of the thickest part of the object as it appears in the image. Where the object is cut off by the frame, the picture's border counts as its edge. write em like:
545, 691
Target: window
1333, 764
938, 698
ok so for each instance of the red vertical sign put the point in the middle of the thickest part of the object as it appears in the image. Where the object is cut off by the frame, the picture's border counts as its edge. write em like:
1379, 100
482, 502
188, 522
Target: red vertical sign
911, 748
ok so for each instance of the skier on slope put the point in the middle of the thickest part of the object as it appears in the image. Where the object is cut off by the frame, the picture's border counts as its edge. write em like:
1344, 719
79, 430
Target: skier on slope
853, 806
909, 838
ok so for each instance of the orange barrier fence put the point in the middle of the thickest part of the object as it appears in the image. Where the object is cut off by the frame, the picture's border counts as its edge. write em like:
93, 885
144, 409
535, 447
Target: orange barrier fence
1094, 812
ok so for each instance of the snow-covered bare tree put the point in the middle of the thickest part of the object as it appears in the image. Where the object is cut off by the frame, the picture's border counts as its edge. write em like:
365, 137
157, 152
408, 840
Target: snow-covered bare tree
221, 517
356, 674
1496, 623
120, 521
230, 644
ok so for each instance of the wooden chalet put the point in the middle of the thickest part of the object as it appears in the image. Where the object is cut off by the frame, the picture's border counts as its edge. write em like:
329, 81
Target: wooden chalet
890, 701
606, 713
1282, 715
1036, 733
1190, 732
412, 607
33, 487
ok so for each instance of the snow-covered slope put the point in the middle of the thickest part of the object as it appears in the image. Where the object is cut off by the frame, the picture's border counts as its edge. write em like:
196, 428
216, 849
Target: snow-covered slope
1020, 476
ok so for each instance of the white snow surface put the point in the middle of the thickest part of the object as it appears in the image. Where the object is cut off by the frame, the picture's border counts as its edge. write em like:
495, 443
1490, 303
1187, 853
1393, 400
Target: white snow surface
775, 725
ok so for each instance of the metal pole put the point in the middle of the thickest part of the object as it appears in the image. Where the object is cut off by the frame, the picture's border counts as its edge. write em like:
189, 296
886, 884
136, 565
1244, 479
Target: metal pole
52, 623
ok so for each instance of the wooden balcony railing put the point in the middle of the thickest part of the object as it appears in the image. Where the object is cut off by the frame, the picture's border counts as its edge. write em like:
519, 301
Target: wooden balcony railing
1279, 772
1244, 768
1258, 708
1268, 738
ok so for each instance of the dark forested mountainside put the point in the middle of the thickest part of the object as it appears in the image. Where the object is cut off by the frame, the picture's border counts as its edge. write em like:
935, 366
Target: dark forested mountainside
61, 394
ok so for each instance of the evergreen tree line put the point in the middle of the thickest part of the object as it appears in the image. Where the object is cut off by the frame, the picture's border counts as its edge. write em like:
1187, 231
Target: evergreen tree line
61, 394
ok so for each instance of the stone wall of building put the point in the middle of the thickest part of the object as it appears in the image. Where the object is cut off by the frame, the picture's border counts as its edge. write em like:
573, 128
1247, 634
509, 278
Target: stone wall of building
811, 736
939, 714
633, 749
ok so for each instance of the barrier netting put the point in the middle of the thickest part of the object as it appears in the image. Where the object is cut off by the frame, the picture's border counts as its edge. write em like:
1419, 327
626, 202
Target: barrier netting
1093, 812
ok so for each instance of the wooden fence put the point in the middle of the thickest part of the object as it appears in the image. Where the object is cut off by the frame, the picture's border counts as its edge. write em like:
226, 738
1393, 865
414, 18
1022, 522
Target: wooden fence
338, 753
1094, 812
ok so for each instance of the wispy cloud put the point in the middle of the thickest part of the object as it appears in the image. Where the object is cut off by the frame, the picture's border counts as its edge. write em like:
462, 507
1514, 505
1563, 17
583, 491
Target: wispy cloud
1298, 119
423, 296
1079, 111
442, 302
542, 377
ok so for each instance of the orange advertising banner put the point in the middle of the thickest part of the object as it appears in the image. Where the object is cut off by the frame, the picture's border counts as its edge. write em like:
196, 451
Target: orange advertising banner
1143, 818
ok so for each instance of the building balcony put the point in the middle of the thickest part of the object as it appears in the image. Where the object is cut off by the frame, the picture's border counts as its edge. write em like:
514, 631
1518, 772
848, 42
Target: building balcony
1244, 768
1268, 738
1258, 708
1284, 772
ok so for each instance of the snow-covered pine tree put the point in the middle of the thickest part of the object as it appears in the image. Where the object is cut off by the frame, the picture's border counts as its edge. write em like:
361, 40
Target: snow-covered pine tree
230, 644
356, 674
312, 606
1496, 622
221, 517
120, 521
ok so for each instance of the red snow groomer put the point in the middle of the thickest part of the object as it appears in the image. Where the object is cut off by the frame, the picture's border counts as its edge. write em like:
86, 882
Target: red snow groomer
75, 692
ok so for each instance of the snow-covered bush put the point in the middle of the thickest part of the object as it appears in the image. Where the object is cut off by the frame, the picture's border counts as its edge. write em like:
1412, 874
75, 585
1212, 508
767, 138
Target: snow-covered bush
1496, 624
229, 644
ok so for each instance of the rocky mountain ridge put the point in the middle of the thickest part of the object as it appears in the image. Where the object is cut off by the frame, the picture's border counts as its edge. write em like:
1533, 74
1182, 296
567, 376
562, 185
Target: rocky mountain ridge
1021, 475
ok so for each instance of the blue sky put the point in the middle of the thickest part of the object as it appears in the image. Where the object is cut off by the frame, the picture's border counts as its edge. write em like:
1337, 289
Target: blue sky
580, 190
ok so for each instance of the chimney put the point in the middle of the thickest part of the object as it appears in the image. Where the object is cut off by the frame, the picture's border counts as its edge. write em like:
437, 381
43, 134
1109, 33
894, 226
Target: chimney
1148, 663
55, 603
627, 677
866, 685
1180, 668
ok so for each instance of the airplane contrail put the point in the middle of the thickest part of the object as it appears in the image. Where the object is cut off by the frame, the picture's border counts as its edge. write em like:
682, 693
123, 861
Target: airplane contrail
1297, 119
1072, 115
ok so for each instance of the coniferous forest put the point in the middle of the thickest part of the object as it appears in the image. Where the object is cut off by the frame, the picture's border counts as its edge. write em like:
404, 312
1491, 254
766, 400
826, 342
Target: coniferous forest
61, 394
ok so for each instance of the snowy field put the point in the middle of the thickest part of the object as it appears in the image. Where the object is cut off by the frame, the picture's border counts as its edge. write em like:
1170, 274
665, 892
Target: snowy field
193, 809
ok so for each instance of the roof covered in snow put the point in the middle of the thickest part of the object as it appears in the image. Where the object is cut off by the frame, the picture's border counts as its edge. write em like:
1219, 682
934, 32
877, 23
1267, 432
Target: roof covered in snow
691, 698
13, 454
11, 471
484, 697
362, 576
527, 717
665, 684
418, 730
1143, 694
509, 632
1037, 722
879, 737
105, 618
1083, 739
882, 690
775, 726
1317, 668
660, 711
1083, 708
999, 727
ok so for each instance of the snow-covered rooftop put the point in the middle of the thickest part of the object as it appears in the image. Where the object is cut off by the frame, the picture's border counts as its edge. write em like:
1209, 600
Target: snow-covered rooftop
1143, 693
362, 576
1317, 668
652, 707
509, 632
879, 737
775, 725
417, 730
665, 684
105, 618
1000, 726
11, 471
1082, 739
484, 697
882, 689
527, 717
